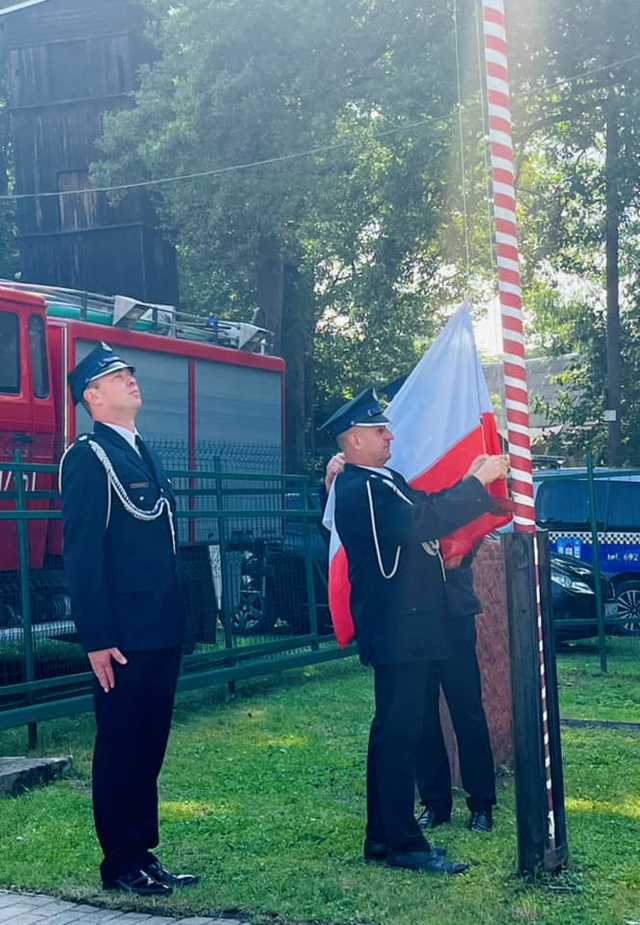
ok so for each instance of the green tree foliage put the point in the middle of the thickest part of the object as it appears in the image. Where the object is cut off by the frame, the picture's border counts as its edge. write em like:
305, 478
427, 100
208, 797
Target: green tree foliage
342, 250
9, 259
577, 93
352, 252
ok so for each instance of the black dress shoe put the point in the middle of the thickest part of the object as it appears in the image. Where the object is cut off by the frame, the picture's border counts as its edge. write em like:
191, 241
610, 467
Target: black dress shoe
160, 874
138, 882
426, 861
481, 820
430, 818
378, 851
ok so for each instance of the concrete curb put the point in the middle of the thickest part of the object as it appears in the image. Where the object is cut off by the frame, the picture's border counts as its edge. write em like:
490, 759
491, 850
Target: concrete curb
39, 909
20, 774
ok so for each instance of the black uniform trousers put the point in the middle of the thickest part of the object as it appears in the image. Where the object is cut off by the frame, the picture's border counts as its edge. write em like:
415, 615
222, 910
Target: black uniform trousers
394, 742
459, 678
133, 722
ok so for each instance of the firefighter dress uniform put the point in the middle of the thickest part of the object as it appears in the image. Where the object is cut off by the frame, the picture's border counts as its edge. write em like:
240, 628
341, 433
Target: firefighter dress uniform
120, 563
398, 600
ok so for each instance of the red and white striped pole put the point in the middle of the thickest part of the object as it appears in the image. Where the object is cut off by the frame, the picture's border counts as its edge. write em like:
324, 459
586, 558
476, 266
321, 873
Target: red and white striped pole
510, 290
508, 257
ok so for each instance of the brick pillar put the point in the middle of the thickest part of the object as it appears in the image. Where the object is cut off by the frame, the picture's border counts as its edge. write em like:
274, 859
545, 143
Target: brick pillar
493, 655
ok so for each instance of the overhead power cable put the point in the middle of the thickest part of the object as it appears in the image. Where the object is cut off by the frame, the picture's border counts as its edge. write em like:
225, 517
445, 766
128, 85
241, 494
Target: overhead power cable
294, 155
231, 168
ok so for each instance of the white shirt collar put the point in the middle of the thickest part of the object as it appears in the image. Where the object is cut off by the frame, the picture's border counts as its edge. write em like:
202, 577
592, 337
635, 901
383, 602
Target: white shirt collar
382, 470
126, 434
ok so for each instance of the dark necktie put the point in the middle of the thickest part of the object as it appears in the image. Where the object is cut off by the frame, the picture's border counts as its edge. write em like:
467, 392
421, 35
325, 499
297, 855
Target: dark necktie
145, 457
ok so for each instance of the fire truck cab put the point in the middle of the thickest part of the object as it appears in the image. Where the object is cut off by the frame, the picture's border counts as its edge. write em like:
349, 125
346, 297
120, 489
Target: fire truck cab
205, 382
27, 415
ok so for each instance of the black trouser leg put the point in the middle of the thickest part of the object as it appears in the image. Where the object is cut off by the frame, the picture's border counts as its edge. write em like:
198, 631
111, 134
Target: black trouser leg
433, 774
133, 722
461, 683
391, 764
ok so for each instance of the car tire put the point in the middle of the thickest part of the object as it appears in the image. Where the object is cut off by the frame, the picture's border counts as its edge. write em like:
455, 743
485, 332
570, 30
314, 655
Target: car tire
629, 607
254, 616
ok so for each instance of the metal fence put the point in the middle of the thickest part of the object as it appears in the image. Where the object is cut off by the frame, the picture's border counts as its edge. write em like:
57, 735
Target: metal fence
592, 517
252, 560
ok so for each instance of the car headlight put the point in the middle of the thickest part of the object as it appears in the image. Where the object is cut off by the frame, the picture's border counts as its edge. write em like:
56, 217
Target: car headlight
580, 587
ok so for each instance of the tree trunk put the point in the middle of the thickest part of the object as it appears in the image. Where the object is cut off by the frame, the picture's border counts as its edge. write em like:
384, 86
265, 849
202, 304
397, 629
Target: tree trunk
614, 360
270, 287
297, 318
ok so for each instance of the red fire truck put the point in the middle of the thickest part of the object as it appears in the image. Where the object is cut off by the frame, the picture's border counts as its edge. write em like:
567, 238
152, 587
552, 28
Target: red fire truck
205, 383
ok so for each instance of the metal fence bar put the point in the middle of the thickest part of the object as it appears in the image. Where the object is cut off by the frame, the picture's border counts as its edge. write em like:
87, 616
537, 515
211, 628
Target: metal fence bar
285, 478
552, 475
55, 709
25, 595
224, 568
595, 545
308, 568
194, 662
228, 514
238, 476
20, 515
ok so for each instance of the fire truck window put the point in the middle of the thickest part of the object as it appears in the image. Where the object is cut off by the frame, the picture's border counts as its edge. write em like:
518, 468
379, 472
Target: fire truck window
9, 353
38, 349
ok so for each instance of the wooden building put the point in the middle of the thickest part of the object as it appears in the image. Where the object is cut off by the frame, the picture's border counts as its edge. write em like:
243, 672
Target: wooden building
69, 62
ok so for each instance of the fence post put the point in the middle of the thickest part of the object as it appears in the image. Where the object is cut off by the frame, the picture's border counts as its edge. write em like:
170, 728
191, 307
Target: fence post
308, 567
597, 580
224, 570
25, 593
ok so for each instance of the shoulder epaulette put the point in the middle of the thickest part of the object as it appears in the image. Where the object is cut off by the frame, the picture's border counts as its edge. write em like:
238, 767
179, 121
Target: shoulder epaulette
79, 441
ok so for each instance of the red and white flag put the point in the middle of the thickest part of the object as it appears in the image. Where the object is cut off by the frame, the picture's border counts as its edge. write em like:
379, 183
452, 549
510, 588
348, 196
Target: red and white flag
339, 585
442, 420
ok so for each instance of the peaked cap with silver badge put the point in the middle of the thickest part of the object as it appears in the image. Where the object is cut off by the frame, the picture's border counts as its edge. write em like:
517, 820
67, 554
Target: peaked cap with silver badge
362, 411
100, 362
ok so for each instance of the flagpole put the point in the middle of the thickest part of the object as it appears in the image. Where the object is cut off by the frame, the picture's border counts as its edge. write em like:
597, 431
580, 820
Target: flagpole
508, 260
503, 179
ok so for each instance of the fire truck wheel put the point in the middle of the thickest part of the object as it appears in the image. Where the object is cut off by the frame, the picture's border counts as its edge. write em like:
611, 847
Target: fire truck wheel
254, 616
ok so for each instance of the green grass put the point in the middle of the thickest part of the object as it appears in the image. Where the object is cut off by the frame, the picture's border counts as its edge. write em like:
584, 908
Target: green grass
587, 694
264, 797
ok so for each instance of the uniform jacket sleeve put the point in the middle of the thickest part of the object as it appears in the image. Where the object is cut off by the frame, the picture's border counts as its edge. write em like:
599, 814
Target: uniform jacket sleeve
430, 516
84, 512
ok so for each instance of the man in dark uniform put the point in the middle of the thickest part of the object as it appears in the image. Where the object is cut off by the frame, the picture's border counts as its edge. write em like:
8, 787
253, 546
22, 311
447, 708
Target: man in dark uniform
398, 600
459, 678
120, 562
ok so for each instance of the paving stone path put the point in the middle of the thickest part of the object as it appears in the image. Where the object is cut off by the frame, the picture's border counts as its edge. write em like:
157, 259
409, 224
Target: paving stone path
37, 909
